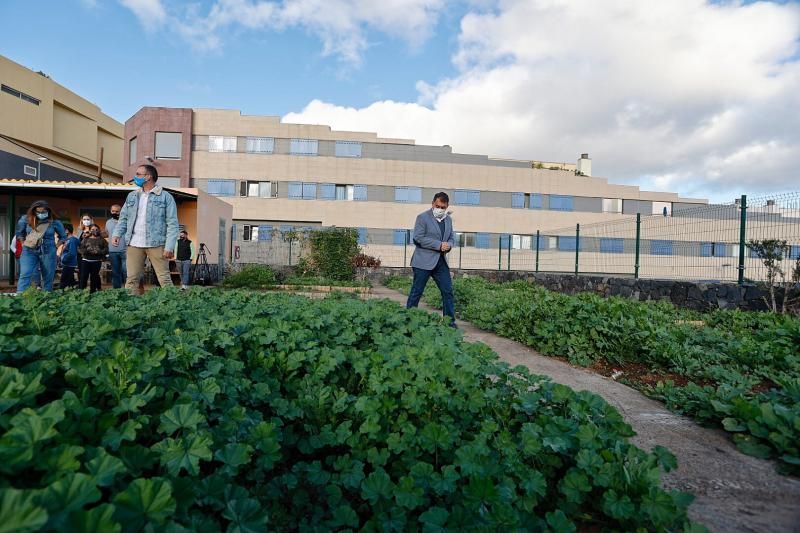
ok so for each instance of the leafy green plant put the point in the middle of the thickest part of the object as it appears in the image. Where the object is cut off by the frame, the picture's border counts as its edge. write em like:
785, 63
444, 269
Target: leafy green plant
737, 365
772, 253
332, 253
251, 277
242, 411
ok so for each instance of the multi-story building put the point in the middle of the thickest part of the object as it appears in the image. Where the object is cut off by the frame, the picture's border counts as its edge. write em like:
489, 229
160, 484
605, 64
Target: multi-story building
48, 132
281, 176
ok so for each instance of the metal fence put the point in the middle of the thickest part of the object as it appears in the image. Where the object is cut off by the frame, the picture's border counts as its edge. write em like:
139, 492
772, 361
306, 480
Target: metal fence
700, 243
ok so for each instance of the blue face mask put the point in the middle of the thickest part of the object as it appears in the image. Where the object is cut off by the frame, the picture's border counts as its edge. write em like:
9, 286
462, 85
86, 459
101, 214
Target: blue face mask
138, 181
42, 216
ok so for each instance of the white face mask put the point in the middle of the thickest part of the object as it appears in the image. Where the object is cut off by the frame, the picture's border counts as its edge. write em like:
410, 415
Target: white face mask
439, 213
86, 222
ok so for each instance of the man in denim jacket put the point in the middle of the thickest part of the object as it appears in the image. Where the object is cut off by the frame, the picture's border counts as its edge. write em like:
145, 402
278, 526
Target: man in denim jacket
149, 223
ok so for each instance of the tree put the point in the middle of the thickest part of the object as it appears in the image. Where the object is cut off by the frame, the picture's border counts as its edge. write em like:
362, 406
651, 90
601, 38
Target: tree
772, 253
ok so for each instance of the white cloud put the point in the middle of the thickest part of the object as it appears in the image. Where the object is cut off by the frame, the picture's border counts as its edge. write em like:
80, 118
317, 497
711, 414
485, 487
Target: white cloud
341, 25
151, 13
696, 97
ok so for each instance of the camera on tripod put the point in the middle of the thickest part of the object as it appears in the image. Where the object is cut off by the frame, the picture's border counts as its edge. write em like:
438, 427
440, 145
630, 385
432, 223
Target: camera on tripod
202, 272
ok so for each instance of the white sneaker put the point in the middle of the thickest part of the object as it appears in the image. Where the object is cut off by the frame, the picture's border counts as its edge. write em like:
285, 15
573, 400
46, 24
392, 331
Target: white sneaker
184, 287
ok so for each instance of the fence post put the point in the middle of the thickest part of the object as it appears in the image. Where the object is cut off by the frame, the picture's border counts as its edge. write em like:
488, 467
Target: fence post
500, 253
537, 250
638, 242
577, 245
290, 251
460, 249
508, 243
12, 222
742, 237
405, 248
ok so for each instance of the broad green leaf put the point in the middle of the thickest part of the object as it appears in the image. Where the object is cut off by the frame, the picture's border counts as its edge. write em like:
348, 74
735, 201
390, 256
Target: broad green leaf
29, 428
344, 516
245, 516
574, 485
434, 518
377, 486
126, 431
97, 520
665, 458
406, 494
658, 505
234, 454
619, 507
144, 501
61, 460
104, 467
70, 493
183, 453
752, 446
16, 387
183, 416
559, 522
19, 513
733, 425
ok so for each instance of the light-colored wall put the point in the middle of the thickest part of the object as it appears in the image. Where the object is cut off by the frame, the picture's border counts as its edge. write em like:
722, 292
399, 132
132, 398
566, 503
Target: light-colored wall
64, 127
203, 224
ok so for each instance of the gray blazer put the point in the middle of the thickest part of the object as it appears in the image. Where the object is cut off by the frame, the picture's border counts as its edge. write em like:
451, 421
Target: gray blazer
428, 240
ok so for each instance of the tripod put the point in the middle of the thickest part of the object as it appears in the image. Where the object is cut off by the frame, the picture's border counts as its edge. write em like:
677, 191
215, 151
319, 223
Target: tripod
202, 273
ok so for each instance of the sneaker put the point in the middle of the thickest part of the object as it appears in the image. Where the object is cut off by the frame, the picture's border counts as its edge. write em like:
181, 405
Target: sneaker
184, 287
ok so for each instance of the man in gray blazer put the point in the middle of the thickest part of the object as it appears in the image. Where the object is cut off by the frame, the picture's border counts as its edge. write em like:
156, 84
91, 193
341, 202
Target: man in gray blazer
433, 238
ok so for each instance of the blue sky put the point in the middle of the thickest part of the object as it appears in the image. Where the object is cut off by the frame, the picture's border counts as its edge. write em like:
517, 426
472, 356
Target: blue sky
689, 96
106, 55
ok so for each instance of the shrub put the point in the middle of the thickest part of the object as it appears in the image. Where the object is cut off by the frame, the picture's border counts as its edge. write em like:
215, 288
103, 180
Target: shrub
251, 277
332, 252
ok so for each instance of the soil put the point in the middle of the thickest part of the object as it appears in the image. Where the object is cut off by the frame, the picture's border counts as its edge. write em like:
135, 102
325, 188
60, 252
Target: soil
733, 491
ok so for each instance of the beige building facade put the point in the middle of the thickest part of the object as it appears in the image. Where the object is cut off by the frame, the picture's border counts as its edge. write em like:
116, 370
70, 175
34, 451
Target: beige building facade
280, 176
48, 132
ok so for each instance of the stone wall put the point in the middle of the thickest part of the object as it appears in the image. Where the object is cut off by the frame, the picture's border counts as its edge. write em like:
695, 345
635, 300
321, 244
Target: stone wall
687, 294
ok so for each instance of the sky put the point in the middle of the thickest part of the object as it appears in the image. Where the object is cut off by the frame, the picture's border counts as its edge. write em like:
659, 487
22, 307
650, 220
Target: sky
696, 97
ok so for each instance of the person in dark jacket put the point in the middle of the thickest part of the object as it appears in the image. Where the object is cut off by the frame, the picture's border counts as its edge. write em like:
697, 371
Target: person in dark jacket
94, 249
37, 229
69, 258
184, 253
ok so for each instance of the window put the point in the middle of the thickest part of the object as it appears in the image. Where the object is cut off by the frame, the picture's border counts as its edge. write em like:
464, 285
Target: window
481, 240
567, 244
411, 195
29, 170
535, 201
348, 149
612, 245
662, 208
169, 181
264, 233
304, 147
134, 143
401, 237
362, 235
250, 233
221, 187
299, 190
217, 143
561, 203
658, 247
465, 239
612, 205
327, 191
259, 189
521, 242
794, 251
518, 200
344, 192
467, 197
543, 242
19, 94
168, 145
260, 145
713, 249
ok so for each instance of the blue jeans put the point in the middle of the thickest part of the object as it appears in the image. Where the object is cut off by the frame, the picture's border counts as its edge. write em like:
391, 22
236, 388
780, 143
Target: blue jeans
441, 275
183, 268
31, 262
119, 269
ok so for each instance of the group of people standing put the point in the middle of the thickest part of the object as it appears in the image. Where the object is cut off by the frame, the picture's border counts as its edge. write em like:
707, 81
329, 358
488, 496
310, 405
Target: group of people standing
145, 227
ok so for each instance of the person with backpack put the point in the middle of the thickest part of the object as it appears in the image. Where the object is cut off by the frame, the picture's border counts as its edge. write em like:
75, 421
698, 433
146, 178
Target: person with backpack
69, 259
93, 249
37, 229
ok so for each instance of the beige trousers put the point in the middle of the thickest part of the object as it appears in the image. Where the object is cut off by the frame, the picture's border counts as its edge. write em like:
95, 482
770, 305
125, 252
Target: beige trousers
135, 260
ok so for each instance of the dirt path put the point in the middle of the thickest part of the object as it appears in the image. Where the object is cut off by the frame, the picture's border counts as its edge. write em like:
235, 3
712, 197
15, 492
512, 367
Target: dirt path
735, 492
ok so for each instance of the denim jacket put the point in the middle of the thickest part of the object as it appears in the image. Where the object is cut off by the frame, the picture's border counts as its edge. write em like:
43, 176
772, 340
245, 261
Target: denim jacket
69, 255
49, 240
162, 218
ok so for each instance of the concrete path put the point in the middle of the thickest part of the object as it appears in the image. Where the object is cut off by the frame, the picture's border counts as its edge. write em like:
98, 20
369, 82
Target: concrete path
734, 492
